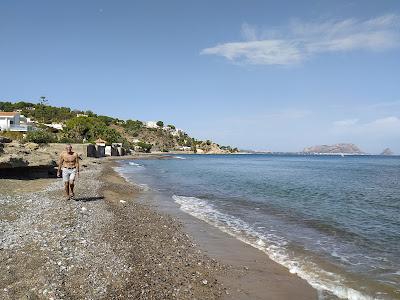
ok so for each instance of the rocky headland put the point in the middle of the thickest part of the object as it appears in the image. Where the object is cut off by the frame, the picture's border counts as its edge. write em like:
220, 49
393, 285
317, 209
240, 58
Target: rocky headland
344, 148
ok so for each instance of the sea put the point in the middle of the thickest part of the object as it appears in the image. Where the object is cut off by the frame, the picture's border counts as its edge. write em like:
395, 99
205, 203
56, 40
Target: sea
334, 221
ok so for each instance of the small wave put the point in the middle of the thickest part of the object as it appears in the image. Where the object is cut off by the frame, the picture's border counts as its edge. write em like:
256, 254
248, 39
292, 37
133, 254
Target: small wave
132, 163
179, 157
272, 245
141, 186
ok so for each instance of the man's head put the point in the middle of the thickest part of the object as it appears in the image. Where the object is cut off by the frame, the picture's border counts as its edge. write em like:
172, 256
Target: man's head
68, 148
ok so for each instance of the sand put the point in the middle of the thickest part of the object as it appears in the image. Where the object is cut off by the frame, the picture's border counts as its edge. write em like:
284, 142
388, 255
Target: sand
117, 243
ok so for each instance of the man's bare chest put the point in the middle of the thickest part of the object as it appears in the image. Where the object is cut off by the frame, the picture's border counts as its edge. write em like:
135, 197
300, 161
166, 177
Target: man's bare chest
69, 158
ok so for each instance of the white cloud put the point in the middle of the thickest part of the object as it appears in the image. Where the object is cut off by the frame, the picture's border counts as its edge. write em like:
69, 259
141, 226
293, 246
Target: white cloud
270, 52
390, 105
249, 32
379, 128
299, 41
344, 123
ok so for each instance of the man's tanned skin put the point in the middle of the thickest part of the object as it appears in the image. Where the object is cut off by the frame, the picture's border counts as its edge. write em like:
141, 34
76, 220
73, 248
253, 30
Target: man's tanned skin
69, 162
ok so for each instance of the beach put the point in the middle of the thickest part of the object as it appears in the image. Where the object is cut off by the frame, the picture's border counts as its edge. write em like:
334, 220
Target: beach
117, 242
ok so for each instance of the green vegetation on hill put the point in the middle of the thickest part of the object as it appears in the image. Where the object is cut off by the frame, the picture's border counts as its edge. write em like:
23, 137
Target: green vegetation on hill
78, 129
86, 126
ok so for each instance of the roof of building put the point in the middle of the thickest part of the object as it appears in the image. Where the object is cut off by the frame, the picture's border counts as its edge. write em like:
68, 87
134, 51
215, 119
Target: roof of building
8, 113
100, 141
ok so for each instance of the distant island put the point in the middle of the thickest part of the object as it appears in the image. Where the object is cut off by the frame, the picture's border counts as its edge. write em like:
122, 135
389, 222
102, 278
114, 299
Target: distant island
342, 148
387, 151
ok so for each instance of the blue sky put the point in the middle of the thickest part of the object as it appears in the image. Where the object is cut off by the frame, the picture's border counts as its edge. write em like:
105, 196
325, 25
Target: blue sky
266, 75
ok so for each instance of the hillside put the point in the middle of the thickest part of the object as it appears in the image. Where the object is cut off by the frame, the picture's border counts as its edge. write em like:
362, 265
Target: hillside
337, 148
64, 125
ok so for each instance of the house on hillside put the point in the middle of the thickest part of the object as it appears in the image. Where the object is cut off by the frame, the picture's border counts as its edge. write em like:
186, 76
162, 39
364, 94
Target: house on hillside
56, 126
14, 121
185, 148
151, 124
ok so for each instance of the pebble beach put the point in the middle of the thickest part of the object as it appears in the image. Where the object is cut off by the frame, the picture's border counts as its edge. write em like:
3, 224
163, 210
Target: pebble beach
108, 243
101, 245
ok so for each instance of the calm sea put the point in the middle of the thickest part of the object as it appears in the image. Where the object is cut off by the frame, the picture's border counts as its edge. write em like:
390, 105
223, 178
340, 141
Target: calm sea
334, 221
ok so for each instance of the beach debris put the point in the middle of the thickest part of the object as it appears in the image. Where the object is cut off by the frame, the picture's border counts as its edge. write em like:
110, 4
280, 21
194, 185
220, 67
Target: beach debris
204, 281
122, 201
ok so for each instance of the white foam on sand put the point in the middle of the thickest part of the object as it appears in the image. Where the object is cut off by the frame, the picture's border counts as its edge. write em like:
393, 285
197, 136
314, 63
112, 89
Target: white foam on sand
141, 186
273, 245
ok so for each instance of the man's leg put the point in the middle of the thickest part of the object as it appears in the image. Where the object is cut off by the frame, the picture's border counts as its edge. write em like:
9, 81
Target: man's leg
72, 183
66, 187
71, 187
66, 176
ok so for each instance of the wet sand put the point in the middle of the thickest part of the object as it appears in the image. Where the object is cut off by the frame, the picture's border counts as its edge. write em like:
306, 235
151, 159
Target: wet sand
250, 273
117, 242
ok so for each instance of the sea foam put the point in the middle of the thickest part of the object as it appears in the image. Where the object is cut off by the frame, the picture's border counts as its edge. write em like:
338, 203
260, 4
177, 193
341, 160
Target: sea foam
273, 246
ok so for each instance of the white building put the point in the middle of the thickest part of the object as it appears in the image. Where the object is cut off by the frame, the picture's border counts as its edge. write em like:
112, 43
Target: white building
185, 148
177, 132
151, 124
55, 126
14, 121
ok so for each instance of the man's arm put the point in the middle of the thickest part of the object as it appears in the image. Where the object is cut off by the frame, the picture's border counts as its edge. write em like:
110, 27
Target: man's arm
77, 163
60, 163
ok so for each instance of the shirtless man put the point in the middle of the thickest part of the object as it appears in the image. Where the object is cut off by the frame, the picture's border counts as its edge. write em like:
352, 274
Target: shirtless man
69, 163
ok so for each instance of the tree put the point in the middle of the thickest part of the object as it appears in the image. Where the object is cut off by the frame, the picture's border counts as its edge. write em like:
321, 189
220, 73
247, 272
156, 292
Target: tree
145, 147
6, 106
40, 137
160, 124
91, 128
43, 100
171, 126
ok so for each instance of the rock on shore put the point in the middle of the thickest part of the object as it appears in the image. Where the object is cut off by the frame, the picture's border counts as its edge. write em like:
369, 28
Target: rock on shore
15, 155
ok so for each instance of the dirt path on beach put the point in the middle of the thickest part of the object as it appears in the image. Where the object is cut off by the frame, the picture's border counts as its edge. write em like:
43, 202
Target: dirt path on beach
103, 246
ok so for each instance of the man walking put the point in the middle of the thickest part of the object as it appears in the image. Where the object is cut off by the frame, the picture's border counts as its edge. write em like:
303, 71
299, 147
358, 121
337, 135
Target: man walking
69, 163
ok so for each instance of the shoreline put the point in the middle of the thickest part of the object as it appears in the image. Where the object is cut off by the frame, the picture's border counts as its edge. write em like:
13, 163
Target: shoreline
252, 274
118, 242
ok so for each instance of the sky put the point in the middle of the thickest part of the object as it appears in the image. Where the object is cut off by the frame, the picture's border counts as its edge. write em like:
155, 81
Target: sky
261, 75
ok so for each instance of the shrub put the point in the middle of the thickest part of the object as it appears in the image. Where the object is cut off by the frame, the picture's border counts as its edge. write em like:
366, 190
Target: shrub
145, 147
160, 124
13, 135
40, 137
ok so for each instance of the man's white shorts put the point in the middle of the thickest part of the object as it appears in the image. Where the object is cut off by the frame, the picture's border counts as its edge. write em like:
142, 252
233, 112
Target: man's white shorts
68, 175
